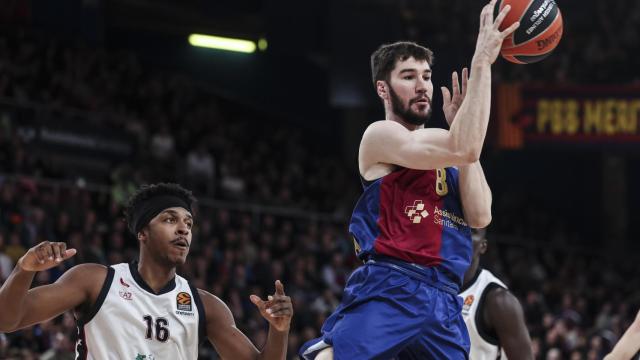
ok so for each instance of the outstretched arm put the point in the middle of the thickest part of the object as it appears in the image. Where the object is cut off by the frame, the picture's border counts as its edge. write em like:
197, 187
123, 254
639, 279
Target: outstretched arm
629, 343
231, 343
475, 193
503, 313
388, 142
22, 307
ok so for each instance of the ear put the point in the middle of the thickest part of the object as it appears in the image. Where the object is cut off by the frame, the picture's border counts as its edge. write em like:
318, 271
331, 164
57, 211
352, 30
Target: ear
382, 89
142, 235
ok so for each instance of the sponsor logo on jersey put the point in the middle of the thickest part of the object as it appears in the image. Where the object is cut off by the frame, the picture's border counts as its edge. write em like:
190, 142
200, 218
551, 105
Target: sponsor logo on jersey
125, 294
468, 301
144, 357
416, 212
183, 301
446, 218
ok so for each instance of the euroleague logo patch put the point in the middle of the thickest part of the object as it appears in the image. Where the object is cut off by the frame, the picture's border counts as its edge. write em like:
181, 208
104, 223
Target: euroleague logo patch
468, 301
183, 301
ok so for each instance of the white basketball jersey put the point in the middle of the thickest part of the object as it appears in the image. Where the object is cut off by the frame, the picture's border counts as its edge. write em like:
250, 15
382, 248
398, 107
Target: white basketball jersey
130, 321
483, 345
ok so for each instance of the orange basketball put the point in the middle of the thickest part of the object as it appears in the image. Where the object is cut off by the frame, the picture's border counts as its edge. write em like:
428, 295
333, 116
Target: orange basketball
539, 32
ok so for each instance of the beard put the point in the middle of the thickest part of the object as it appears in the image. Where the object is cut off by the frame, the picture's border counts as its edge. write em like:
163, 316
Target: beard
406, 113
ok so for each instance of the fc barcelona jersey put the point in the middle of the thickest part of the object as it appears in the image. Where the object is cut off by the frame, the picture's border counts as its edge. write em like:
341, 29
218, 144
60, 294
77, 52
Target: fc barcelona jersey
415, 216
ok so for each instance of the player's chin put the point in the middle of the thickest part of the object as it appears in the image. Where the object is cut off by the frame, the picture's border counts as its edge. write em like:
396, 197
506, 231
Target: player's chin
178, 260
423, 113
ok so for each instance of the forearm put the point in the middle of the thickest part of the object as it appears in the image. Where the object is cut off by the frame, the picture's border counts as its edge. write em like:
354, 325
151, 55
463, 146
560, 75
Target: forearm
628, 345
276, 347
12, 295
469, 127
475, 195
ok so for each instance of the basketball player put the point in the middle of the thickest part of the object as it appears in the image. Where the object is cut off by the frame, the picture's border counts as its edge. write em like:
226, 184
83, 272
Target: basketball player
494, 316
629, 344
423, 190
141, 310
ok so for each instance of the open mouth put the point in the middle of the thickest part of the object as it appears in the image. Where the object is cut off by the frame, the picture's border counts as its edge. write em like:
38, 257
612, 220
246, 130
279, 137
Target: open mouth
181, 243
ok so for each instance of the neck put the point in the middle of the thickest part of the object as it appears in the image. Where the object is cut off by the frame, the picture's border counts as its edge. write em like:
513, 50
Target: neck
471, 272
154, 274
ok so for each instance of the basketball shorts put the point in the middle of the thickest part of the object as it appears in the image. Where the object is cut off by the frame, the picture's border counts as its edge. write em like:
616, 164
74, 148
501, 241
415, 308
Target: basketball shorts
390, 310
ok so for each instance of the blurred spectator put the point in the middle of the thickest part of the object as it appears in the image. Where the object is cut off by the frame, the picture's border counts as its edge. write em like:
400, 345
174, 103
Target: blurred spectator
201, 170
6, 264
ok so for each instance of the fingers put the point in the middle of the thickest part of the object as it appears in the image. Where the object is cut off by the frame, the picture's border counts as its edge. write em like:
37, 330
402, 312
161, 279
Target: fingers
503, 13
508, 31
257, 301
40, 252
69, 253
280, 311
486, 16
48, 251
58, 251
279, 288
280, 306
465, 80
455, 85
446, 96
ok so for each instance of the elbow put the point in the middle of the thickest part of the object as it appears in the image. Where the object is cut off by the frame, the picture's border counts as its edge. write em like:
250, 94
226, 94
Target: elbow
472, 155
480, 221
464, 153
468, 156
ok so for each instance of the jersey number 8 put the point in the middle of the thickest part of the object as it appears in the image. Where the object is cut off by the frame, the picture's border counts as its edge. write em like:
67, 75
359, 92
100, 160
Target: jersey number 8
441, 182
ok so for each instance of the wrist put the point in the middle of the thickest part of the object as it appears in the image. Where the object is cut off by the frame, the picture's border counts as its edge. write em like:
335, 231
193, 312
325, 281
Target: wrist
277, 330
480, 63
20, 265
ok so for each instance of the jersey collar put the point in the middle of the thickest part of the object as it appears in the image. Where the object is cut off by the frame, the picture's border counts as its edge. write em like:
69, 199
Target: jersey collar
133, 268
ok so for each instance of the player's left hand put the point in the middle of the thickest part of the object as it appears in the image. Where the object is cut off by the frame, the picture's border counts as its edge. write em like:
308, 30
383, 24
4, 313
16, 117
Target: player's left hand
451, 102
277, 309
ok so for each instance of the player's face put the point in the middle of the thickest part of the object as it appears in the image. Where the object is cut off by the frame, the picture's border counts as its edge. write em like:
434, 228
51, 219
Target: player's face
411, 90
169, 236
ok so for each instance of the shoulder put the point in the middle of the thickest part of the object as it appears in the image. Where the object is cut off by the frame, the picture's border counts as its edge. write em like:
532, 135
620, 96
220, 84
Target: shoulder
88, 279
501, 303
86, 274
215, 309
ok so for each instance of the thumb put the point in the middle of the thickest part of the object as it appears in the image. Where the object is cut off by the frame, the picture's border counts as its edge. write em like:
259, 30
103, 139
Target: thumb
69, 253
279, 288
256, 300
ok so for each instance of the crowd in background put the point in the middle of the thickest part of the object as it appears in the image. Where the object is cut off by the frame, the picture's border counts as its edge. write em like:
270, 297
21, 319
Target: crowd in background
181, 131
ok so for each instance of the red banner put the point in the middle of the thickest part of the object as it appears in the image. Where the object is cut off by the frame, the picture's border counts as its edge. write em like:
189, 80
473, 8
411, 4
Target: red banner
551, 114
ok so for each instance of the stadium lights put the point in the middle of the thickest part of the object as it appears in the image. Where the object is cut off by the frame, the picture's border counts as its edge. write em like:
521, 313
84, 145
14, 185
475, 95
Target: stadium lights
224, 43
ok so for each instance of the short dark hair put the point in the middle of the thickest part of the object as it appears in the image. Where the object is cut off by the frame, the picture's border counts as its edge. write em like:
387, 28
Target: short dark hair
152, 190
384, 59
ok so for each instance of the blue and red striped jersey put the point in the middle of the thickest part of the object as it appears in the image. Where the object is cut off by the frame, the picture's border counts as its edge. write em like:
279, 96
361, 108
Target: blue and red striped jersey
414, 216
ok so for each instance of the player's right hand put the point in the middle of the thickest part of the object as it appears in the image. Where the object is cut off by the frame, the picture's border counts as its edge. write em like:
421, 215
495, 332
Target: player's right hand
45, 256
490, 38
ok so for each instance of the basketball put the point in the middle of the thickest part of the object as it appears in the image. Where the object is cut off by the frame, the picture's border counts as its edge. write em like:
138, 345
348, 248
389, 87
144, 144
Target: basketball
539, 32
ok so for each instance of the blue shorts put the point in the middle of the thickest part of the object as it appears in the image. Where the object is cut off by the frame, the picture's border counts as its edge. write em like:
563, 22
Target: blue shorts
391, 311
